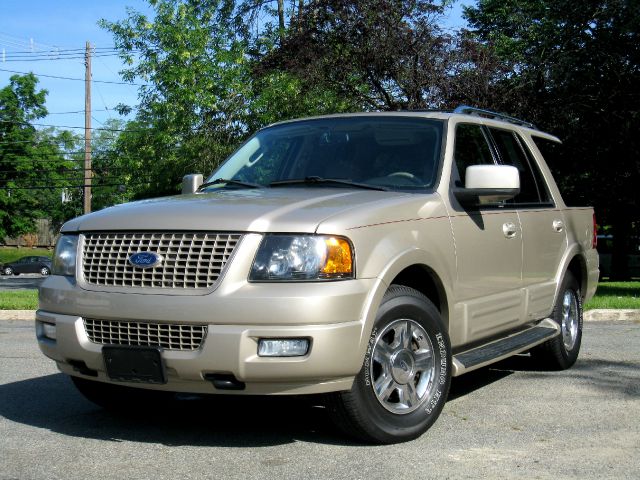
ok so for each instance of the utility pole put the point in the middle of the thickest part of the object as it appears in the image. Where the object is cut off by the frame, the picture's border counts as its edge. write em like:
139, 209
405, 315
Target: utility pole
87, 130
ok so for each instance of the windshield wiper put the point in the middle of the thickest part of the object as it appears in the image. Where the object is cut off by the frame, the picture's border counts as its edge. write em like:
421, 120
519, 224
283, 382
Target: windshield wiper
229, 181
320, 180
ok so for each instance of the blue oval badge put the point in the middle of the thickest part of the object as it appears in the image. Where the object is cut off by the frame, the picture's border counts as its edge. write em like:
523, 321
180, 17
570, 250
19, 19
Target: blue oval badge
145, 259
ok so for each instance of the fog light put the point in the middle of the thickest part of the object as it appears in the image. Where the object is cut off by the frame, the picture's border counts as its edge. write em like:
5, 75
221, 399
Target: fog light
49, 330
283, 347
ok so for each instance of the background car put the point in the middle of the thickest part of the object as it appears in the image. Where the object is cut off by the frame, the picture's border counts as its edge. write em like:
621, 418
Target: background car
35, 264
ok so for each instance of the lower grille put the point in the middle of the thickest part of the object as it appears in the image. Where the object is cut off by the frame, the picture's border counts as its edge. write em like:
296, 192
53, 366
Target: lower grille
165, 335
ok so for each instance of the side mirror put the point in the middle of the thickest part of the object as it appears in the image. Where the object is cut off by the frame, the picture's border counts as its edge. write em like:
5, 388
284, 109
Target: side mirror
488, 184
190, 183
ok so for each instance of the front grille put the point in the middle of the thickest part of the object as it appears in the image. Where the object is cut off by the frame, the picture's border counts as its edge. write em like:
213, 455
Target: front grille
168, 336
190, 260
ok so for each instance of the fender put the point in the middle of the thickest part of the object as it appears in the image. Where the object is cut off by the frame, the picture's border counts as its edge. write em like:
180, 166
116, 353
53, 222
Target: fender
573, 250
407, 258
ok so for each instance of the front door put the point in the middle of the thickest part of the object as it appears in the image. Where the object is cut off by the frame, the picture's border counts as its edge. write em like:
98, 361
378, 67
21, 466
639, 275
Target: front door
488, 244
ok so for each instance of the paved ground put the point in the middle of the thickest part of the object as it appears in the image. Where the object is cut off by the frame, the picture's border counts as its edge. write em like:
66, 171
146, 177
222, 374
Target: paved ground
510, 421
24, 281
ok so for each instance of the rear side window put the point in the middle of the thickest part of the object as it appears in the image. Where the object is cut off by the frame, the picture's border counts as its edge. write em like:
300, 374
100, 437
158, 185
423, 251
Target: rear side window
513, 152
471, 148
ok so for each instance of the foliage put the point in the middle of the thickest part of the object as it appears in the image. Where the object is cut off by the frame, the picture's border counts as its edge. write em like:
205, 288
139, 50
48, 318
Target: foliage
31, 161
201, 98
573, 68
383, 54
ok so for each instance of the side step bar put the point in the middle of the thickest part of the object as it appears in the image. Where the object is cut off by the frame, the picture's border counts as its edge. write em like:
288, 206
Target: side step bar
505, 347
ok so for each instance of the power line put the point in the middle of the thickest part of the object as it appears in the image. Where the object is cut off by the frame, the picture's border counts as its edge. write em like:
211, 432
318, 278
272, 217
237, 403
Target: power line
80, 111
74, 79
16, 122
58, 50
38, 59
51, 187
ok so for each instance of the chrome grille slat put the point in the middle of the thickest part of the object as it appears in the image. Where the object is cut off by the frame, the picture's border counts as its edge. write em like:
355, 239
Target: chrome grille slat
192, 260
145, 334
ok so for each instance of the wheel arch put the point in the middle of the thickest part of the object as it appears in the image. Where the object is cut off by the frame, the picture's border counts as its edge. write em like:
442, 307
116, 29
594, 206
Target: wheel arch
575, 263
425, 280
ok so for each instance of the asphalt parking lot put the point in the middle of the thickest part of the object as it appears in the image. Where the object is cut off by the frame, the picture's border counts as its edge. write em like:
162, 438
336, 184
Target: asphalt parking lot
24, 281
510, 421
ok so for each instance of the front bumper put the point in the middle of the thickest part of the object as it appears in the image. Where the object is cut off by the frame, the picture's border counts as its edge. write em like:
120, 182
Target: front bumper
332, 315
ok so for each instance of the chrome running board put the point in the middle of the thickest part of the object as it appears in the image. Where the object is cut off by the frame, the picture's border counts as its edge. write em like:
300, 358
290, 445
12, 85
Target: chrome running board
497, 350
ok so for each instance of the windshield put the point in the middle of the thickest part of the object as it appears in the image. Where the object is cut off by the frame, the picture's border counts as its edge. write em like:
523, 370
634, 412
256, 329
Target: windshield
397, 153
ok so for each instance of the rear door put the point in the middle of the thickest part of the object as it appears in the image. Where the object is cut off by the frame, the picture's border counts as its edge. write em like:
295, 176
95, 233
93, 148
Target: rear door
543, 231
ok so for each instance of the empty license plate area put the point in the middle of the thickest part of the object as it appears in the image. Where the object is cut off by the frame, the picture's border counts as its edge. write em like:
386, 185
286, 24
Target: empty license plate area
134, 364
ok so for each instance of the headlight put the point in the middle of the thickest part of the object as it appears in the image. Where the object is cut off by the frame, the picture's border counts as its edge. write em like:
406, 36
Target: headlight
302, 257
64, 260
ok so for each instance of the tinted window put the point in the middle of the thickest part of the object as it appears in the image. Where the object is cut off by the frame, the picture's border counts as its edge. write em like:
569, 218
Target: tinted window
471, 148
512, 153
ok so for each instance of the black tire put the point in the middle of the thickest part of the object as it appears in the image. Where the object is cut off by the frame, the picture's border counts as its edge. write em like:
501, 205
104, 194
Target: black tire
409, 371
7, 271
561, 352
44, 271
120, 398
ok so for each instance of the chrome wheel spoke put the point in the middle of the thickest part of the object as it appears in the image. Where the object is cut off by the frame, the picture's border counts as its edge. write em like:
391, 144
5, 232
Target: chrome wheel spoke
423, 360
401, 335
383, 353
384, 387
408, 395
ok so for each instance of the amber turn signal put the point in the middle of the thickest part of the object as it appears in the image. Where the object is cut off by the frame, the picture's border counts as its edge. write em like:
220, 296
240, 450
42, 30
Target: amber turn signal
339, 257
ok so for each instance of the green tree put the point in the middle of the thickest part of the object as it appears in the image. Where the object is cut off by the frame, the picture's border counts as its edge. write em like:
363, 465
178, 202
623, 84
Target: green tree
32, 168
574, 69
383, 54
200, 97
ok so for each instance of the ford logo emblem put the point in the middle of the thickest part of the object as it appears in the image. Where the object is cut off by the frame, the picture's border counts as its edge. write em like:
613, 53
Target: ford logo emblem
145, 259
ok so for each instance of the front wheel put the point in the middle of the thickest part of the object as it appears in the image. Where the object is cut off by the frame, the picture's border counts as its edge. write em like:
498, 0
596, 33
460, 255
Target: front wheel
561, 352
7, 271
404, 381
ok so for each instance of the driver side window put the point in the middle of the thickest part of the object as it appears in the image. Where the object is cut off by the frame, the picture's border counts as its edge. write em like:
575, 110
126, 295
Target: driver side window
471, 148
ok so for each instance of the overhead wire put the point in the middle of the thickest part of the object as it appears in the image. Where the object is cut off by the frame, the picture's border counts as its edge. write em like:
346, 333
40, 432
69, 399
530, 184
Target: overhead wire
74, 78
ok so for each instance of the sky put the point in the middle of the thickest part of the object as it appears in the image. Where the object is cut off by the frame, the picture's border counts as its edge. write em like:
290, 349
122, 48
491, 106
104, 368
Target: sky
38, 27
42, 26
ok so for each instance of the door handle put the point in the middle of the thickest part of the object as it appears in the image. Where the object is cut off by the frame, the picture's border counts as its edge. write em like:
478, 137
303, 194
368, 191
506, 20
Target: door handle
558, 225
509, 229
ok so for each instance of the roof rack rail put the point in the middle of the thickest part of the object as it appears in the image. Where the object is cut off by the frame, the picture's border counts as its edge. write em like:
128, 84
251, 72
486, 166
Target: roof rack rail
495, 115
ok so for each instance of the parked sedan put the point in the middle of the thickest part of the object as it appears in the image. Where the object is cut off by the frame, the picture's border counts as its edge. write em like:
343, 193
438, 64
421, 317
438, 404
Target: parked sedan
33, 264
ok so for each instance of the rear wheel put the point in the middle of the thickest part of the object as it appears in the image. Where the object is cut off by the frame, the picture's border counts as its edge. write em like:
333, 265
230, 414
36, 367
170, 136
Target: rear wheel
45, 271
561, 352
405, 378
119, 397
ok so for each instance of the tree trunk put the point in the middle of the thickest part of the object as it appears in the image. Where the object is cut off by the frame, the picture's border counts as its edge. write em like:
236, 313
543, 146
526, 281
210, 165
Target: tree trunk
281, 20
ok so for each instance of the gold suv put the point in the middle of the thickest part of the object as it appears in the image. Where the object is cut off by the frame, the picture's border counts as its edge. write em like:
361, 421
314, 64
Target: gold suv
366, 257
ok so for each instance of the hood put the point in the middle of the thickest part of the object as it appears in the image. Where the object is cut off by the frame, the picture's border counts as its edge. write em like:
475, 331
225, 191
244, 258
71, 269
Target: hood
264, 210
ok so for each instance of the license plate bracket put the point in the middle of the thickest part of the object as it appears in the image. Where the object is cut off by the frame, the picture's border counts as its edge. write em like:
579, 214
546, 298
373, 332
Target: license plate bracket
135, 364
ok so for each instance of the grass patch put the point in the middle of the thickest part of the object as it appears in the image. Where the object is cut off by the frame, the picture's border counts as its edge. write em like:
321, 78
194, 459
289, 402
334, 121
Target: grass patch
18, 299
11, 254
617, 295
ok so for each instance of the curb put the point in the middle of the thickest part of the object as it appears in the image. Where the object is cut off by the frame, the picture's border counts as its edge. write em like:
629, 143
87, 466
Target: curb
604, 315
598, 315
17, 314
